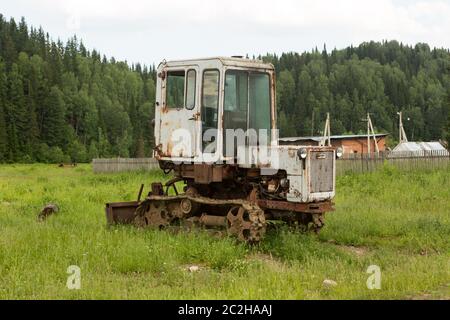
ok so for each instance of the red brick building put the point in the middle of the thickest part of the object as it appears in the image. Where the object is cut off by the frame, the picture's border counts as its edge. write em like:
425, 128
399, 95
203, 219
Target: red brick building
356, 143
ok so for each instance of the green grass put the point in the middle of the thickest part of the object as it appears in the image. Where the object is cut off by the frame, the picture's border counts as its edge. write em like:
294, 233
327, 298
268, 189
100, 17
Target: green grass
399, 221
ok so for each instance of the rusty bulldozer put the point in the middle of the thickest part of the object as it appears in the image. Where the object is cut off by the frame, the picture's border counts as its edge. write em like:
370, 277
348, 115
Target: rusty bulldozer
215, 132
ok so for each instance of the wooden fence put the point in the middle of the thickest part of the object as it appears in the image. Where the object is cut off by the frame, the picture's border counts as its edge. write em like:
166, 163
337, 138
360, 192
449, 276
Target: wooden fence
404, 160
349, 163
124, 164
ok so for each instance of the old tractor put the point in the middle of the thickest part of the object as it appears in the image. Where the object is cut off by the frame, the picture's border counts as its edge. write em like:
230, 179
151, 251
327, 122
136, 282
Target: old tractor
215, 133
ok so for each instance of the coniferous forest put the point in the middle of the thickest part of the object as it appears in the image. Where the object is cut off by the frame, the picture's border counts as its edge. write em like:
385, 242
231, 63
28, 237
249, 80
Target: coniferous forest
61, 102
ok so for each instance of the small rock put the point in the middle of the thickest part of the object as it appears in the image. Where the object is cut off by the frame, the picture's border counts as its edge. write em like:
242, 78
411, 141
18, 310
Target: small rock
329, 283
193, 268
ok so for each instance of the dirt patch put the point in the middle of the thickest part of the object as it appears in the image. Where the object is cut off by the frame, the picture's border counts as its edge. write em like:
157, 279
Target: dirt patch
441, 293
428, 252
358, 251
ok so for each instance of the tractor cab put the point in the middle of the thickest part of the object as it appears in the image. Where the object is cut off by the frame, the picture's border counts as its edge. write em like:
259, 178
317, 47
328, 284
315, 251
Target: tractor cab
205, 105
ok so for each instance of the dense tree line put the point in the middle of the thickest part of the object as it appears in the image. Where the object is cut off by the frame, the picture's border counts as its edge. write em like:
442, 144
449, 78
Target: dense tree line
376, 78
62, 102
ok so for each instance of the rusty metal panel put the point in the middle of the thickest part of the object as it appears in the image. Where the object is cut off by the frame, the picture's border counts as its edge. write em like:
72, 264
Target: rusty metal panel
321, 171
217, 174
314, 207
120, 212
203, 173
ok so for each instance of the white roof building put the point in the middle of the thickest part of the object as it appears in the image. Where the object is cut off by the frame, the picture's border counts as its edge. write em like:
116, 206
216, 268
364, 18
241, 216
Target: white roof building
419, 146
421, 149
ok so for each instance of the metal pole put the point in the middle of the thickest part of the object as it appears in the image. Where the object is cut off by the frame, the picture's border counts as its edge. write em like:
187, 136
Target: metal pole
368, 135
326, 132
373, 135
329, 129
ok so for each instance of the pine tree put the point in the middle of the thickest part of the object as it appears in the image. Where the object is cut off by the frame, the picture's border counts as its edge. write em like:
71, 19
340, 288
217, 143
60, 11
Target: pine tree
3, 136
122, 146
53, 126
140, 148
447, 135
3, 128
93, 151
104, 147
17, 114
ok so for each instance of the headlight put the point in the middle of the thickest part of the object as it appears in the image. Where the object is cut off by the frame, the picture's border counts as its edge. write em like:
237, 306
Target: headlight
284, 183
302, 153
339, 152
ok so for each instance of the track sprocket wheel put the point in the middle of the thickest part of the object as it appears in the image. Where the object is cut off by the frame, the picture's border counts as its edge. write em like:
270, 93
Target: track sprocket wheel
246, 222
151, 213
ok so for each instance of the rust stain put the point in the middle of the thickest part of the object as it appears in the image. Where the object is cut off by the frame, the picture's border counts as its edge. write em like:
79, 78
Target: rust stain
316, 207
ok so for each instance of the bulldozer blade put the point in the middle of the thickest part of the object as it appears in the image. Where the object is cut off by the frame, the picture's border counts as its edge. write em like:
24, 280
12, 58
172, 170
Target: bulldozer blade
121, 212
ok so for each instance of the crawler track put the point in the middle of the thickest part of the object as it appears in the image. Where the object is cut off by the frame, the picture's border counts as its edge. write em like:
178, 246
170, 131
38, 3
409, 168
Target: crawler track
244, 219
241, 218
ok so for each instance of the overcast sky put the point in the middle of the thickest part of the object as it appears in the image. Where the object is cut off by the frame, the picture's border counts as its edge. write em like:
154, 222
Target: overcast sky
149, 31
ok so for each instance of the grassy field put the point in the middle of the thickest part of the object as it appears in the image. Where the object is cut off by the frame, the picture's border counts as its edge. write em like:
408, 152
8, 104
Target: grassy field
398, 221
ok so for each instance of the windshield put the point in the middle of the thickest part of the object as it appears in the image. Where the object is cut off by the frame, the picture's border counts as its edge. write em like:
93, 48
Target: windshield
247, 101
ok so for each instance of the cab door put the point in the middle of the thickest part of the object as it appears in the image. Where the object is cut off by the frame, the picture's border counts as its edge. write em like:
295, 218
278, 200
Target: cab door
179, 112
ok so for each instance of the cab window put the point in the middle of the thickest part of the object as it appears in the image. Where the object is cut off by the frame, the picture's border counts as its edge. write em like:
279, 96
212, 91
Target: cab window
259, 102
247, 102
210, 101
236, 100
175, 89
190, 89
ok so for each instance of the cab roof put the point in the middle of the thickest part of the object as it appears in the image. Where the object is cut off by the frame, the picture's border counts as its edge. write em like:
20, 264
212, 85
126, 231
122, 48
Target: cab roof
226, 61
